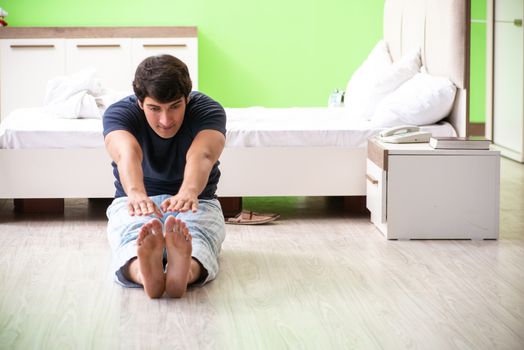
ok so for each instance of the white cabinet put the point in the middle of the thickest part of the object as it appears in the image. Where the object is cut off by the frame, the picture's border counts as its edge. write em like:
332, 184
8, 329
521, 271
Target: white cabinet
416, 192
186, 49
110, 57
27, 64
25, 67
508, 78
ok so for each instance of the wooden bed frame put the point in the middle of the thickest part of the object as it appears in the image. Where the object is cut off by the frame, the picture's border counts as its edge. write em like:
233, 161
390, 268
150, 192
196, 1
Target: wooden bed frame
439, 27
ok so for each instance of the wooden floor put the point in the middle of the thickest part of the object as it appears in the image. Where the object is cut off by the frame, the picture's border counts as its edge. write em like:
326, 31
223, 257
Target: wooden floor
318, 278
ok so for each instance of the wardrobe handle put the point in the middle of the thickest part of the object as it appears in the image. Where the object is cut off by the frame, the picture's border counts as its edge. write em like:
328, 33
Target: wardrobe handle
517, 22
371, 179
163, 45
32, 46
96, 45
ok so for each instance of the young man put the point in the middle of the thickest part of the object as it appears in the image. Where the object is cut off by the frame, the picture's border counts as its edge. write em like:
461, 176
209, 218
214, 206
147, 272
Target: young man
165, 225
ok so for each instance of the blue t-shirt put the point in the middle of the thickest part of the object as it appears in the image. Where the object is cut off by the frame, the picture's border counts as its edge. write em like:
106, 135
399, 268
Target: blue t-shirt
164, 160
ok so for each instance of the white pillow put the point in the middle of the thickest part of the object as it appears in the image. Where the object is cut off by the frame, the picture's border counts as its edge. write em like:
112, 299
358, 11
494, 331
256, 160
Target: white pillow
376, 78
422, 100
377, 60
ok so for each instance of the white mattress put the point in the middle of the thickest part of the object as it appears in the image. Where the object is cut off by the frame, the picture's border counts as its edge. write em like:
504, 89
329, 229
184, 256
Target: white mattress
304, 127
246, 127
34, 128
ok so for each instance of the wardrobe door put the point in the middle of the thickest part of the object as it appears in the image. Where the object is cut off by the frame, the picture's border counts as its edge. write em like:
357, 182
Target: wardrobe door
26, 67
186, 49
111, 57
508, 74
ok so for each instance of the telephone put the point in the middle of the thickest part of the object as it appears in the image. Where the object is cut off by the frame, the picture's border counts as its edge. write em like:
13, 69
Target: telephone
404, 134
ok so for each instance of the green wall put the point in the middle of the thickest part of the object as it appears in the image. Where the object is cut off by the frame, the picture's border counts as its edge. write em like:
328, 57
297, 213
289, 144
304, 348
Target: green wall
270, 53
477, 110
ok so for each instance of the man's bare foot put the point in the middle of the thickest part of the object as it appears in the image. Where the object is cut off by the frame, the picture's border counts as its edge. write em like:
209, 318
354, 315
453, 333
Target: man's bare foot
150, 254
179, 248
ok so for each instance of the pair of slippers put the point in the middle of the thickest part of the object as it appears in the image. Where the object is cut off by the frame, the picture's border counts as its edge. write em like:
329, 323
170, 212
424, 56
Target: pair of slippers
246, 217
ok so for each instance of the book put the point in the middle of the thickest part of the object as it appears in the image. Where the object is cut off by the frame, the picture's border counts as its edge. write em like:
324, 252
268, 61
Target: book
470, 142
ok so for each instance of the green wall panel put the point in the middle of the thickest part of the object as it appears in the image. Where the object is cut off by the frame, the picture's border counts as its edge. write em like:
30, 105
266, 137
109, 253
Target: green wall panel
271, 53
477, 104
478, 9
477, 101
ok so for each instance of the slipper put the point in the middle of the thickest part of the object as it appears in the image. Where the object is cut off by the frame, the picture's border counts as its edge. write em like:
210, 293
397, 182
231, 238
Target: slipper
246, 217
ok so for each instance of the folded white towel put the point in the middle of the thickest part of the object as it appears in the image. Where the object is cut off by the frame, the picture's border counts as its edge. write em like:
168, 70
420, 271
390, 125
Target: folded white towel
79, 95
72, 96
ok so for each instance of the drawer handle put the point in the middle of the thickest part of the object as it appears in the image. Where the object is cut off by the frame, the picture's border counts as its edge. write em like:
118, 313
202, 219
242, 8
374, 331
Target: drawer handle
371, 179
163, 45
517, 22
96, 45
32, 46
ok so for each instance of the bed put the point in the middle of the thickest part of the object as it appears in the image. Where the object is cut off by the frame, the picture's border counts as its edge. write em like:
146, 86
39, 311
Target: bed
269, 152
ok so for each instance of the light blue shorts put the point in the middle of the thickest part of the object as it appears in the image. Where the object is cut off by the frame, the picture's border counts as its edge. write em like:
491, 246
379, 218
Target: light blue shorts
206, 226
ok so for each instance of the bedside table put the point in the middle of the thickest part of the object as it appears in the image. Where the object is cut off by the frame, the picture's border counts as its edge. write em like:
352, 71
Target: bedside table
417, 192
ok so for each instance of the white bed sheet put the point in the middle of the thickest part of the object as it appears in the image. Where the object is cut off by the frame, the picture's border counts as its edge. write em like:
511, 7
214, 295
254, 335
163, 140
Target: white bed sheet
34, 128
305, 127
246, 127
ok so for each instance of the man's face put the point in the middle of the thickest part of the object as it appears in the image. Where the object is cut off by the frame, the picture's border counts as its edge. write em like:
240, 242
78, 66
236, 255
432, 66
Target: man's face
164, 118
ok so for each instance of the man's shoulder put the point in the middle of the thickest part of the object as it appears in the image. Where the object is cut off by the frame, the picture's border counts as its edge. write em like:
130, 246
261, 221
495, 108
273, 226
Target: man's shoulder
203, 112
128, 103
123, 115
200, 104
197, 98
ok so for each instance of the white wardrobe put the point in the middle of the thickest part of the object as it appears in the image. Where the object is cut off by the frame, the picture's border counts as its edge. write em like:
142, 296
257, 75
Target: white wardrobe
30, 57
506, 70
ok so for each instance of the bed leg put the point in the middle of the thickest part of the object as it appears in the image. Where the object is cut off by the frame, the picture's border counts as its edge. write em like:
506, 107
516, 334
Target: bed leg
231, 206
39, 205
355, 204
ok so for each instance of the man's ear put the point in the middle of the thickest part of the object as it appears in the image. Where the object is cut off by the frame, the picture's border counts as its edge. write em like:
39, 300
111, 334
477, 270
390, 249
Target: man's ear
140, 104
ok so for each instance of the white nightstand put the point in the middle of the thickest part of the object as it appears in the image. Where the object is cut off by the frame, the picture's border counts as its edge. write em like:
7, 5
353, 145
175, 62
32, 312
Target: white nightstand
417, 192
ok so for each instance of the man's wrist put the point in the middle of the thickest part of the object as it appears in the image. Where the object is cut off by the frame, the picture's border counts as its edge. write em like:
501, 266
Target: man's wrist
192, 191
136, 192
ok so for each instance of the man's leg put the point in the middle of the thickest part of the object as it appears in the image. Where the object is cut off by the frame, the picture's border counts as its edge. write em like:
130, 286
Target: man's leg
145, 269
148, 269
179, 248
135, 245
193, 243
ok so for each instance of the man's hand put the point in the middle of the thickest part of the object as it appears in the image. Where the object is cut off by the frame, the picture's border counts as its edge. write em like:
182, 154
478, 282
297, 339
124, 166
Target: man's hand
182, 202
140, 204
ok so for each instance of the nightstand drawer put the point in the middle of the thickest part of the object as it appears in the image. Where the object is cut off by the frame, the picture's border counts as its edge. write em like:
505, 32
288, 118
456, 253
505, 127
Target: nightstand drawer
376, 192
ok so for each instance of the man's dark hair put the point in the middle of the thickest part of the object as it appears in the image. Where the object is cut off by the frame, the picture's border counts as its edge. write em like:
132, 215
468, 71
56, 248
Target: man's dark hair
164, 78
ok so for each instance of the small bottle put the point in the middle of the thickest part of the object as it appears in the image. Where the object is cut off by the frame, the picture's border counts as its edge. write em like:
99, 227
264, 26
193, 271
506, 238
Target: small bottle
336, 98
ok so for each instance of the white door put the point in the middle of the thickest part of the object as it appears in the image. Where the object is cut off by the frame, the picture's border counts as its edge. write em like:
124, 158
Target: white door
185, 49
508, 92
27, 66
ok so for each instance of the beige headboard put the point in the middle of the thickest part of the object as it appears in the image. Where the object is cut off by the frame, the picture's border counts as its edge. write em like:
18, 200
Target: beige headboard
441, 29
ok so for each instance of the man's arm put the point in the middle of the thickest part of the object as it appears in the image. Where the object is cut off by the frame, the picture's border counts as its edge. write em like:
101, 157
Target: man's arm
127, 154
200, 159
